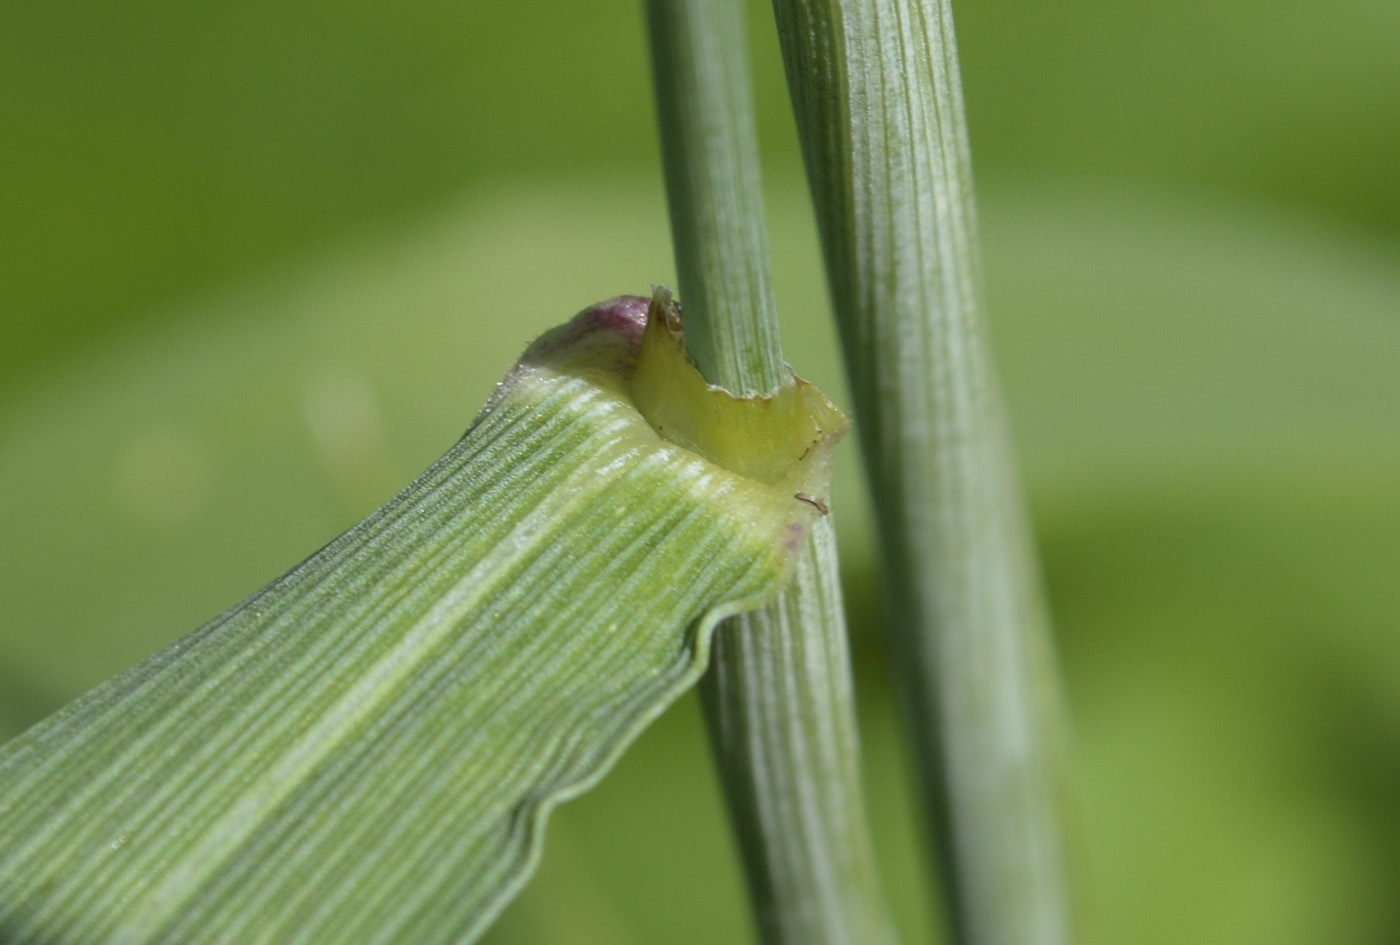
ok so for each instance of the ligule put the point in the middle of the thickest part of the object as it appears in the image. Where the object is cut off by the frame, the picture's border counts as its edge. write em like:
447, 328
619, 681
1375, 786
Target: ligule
366, 749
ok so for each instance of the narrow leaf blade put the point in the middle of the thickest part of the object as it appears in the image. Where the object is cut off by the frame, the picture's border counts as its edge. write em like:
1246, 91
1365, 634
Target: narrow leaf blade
366, 750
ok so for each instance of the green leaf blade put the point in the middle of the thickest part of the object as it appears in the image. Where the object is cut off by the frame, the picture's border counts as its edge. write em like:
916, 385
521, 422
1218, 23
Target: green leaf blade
366, 750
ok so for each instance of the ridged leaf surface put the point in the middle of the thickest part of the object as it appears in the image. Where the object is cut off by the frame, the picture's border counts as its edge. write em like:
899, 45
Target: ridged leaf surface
366, 749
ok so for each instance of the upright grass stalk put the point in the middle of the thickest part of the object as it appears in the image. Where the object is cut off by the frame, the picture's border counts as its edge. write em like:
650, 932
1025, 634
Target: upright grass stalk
778, 699
879, 106
710, 152
780, 709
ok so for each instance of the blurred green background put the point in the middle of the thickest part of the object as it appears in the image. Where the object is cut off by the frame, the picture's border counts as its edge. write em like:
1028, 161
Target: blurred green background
259, 264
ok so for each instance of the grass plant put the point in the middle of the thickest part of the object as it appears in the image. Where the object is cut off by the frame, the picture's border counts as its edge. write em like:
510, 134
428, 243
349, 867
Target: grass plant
368, 748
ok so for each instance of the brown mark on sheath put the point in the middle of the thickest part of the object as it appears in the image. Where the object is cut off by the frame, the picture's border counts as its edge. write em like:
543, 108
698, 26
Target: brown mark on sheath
813, 501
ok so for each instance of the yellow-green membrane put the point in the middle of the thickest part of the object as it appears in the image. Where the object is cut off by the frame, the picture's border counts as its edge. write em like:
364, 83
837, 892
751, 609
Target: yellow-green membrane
366, 749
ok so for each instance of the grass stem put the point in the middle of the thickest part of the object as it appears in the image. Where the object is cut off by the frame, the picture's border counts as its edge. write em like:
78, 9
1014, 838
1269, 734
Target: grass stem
710, 152
879, 106
778, 697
